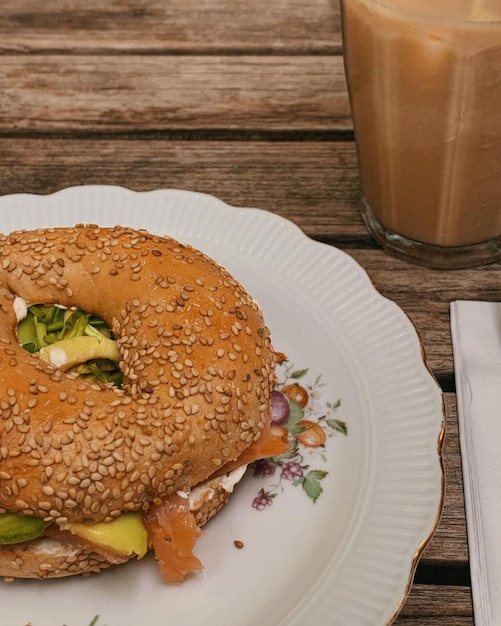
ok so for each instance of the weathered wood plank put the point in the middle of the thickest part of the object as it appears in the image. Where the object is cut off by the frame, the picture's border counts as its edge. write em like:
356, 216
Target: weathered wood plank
135, 93
425, 295
177, 25
437, 605
312, 183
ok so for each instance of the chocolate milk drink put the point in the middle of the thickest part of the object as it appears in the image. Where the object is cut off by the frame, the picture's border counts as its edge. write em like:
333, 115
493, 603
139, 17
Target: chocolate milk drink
424, 79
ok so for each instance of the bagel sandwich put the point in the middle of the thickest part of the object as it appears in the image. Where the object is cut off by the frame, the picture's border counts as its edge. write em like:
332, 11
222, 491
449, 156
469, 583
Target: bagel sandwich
135, 388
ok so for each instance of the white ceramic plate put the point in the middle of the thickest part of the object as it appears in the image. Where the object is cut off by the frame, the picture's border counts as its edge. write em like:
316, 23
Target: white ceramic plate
346, 558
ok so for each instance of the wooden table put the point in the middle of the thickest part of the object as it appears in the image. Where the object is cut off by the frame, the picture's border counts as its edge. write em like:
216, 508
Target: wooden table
246, 100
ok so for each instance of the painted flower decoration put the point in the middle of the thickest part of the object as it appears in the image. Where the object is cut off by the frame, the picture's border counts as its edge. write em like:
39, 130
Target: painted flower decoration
300, 417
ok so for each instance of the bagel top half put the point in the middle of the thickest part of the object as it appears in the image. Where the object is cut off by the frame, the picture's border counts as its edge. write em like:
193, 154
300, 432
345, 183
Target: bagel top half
196, 357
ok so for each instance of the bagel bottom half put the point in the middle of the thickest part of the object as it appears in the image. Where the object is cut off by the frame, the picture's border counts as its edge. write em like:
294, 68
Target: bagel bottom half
61, 554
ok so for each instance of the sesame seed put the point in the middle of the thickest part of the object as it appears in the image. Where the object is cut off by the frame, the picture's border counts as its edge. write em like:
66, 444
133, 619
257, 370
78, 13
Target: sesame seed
45, 567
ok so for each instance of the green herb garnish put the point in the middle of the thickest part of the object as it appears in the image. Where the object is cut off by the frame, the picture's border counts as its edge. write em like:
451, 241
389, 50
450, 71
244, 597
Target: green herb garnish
47, 327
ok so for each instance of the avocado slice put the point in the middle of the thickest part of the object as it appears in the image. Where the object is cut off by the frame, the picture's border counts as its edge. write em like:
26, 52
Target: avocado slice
124, 535
68, 352
15, 528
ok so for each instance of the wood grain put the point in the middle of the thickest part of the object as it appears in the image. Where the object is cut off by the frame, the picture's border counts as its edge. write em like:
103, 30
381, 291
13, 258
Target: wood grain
437, 605
425, 295
134, 93
156, 26
315, 184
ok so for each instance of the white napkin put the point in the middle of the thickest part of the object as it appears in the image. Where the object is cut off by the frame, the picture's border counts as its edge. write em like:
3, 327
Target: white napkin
476, 340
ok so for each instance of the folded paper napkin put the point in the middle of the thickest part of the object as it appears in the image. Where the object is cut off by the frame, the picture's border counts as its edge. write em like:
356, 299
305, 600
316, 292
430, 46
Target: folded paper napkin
476, 340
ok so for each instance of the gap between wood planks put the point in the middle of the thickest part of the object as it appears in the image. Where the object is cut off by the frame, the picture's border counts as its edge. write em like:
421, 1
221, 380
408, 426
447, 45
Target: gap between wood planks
454, 574
191, 134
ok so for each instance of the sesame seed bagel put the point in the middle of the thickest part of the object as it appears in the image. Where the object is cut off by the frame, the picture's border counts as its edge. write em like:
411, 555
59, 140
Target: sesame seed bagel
196, 357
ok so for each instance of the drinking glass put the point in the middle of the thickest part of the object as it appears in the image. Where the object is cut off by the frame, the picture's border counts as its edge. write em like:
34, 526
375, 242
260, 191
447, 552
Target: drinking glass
424, 81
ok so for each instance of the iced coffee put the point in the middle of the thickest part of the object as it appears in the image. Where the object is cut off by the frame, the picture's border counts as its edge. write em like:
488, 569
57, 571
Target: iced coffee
424, 79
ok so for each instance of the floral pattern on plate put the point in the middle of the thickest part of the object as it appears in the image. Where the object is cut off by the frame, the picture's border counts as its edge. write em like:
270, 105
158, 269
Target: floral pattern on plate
306, 420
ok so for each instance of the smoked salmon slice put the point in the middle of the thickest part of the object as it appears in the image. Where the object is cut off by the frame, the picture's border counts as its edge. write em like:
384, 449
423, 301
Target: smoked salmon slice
172, 532
171, 526
273, 442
